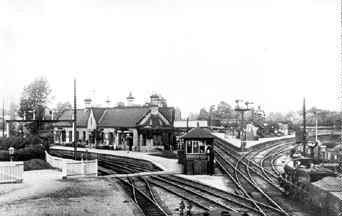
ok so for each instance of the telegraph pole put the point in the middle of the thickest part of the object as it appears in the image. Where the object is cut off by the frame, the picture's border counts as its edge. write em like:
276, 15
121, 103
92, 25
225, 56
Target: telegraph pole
304, 128
340, 64
75, 120
3, 118
242, 110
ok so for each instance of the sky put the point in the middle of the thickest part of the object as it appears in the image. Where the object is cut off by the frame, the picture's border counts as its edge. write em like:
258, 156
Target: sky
193, 52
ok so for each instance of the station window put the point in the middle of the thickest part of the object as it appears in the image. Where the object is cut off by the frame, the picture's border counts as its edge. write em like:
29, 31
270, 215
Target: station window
188, 147
202, 148
70, 136
63, 136
195, 146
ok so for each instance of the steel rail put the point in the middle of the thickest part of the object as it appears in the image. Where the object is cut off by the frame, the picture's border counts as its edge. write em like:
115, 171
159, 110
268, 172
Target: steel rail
237, 180
249, 178
147, 205
190, 192
219, 193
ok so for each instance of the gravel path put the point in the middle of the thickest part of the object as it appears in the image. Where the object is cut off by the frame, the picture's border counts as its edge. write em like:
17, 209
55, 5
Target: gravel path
44, 193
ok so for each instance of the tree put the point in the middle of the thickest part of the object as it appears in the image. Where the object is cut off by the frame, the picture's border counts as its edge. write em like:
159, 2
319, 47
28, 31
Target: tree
120, 104
192, 116
203, 114
13, 108
33, 101
224, 111
275, 117
61, 107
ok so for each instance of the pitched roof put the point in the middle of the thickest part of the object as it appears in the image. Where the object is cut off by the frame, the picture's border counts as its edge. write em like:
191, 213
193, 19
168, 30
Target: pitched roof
112, 117
201, 133
123, 116
168, 113
82, 118
98, 112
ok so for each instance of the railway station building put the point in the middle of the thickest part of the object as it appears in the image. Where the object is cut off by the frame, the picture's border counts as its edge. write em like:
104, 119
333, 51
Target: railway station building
139, 128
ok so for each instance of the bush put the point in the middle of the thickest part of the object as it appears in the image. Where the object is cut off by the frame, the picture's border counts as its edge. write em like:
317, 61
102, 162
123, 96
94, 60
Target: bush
30, 152
36, 164
4, 156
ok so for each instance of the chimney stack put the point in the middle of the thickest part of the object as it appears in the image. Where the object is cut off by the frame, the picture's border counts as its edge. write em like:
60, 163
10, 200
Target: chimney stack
130, 99
87, 103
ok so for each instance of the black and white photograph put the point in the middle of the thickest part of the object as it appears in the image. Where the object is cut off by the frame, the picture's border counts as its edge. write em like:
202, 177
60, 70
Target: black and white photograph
170, 108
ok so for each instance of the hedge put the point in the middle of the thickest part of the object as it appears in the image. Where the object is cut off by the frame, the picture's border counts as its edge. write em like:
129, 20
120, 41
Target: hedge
24, 154
25, 148
19, 142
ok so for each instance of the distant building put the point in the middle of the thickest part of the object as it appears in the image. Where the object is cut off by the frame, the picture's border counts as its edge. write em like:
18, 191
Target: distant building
251, 132
142, 128
178, 114
184, 124
181, 127
283, 128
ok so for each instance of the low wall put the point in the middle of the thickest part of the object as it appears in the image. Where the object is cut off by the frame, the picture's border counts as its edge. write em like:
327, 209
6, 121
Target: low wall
326, 196
11, 172
73, 168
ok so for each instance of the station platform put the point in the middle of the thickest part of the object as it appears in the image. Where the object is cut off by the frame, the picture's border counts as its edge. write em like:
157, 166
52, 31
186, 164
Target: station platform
249, 143
170, 166
140, 174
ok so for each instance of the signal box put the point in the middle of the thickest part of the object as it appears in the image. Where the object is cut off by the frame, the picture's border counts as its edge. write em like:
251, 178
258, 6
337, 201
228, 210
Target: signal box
197, 153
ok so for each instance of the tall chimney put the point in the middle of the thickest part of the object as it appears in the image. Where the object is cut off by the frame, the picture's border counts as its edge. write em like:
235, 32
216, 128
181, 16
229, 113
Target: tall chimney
155, 100
87, 103
304, 127
130, 99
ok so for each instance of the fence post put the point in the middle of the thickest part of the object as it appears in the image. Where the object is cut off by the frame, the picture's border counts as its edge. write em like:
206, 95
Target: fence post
83, 170
64, 170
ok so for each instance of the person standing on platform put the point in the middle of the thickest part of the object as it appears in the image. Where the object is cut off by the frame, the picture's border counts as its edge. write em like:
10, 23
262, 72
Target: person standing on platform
130, 143
210, 153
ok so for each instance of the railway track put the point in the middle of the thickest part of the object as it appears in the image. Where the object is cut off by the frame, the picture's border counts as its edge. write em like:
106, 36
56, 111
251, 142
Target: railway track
249, 178
147, 204
234, 201
268, 162
204, 197
118, 164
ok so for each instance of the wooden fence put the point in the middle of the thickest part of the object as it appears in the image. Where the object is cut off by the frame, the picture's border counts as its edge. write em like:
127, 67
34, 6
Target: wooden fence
11, 172
73, 168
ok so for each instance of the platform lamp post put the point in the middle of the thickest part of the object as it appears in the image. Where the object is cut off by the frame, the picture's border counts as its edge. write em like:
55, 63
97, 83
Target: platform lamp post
340, 99
3, 118
304, 129
11, 153
316, 125
242, 110
86, 153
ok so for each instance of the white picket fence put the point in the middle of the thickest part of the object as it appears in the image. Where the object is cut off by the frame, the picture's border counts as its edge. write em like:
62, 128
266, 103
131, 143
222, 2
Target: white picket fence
73, 168
11, 172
